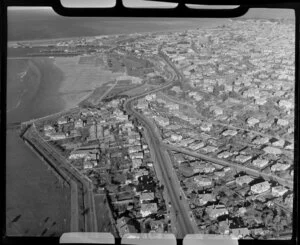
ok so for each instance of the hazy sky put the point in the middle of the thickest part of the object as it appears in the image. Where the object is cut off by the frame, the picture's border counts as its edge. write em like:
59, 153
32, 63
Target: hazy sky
127, 3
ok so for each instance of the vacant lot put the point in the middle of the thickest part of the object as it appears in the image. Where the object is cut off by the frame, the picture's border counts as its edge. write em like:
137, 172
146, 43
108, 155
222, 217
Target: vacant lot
80, 79
138, 90
103, 214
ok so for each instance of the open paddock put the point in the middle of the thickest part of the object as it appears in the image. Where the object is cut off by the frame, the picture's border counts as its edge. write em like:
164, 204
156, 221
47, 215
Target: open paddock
78, 78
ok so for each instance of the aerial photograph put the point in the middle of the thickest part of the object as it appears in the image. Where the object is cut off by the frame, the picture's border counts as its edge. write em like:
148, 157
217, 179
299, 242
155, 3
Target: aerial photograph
150, 125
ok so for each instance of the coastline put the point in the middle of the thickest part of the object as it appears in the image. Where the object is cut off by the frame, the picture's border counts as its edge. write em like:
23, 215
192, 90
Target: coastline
42, 81
45, 41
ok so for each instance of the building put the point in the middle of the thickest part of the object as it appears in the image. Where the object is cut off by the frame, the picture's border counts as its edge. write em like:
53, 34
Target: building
140, 172
215, 211
148, 208
88, 165
260, 163
136, 163
272, 150
240, 232
62, 120
205, 198
57, 136
202, 181
252, 121
134, 149
142, 104
92, 132
205, 127
162, 121
282, 122
209, 149
245, 179
279, 143
224, 154
279, 191
146, 196
243, 158
137, 155
78, 123
48, 128
176, 137
229, 132
286, 104
260, 140
280, 167
260, 187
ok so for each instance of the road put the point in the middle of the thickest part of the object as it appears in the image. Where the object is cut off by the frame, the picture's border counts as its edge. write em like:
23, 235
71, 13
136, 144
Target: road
250, 171
165, 166
89, 205
182, 221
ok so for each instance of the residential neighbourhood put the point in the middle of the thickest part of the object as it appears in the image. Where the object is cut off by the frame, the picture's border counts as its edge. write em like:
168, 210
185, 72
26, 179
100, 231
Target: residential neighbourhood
196, 136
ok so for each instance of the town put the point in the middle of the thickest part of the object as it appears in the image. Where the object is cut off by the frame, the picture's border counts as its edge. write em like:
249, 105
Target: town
219, 105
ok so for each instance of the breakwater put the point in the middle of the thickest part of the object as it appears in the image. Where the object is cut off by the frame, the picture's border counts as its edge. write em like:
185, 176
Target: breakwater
64, 176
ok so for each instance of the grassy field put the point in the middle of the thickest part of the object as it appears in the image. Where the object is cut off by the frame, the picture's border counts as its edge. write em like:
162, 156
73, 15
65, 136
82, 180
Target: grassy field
102, 212
138, 90
80, 75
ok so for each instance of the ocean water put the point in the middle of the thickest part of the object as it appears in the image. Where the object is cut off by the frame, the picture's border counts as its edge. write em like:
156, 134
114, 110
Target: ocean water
32, 191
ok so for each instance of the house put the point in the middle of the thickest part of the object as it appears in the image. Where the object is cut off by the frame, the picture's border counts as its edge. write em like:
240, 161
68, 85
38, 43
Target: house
57, 136
146, 196
260, 140
88, 165
78, 123
205, 198
148, 208
286, 104
243, 158
62, 120
282, 122
279, 191
202, 181
142, 104
240, 232
260, 163
162, 121
150, 97
229, 132
157, 226
209, 149
260, 187
137, 155
214, 211
140, 172
176, 137
134, 149
280, 167
136, 163
84, 153
279, 143
252, 121
272, 150
245, 179
48, 127
241, 211
196, 146
224, 154
206, 127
